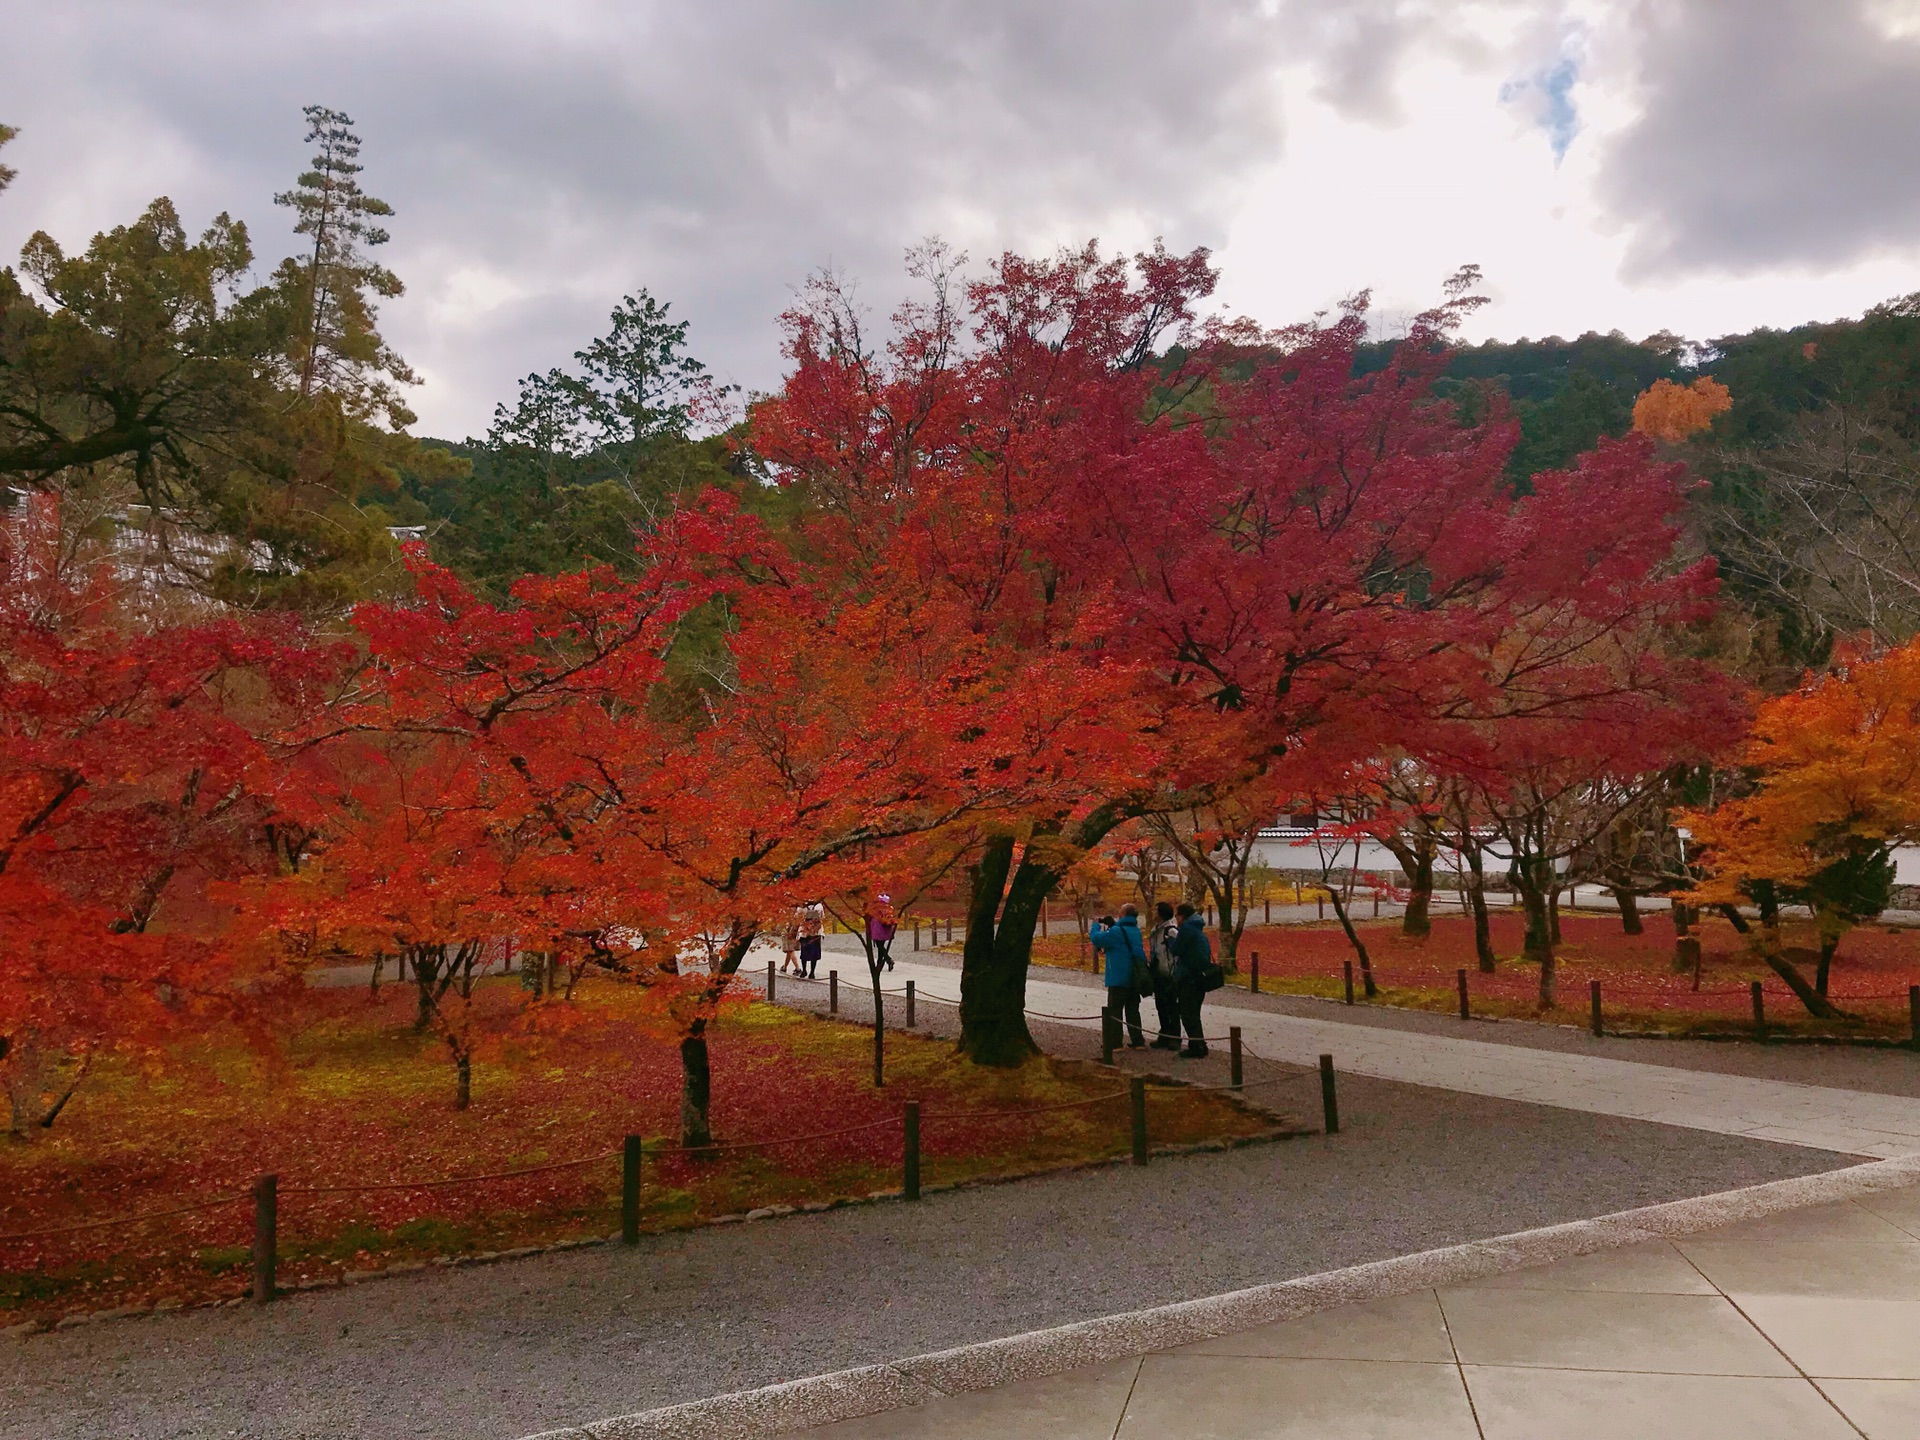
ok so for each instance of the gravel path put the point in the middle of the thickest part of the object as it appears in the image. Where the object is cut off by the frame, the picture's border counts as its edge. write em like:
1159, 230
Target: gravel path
495, 1352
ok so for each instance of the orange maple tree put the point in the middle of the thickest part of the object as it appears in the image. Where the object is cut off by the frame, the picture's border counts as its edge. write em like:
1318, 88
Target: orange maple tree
1671, 412
1836, 766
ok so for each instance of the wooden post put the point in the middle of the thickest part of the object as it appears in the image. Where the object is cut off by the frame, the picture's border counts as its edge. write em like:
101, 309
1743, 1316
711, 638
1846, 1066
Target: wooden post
769, 982
1593, 1004
949, 930
1253, 975
1043, 919
1347, 968
266, 1236
1913, 1014
833, 992
1320, 904
910, 1152
1460, 979
630, 1191
1234, 1072
1329, 1100
1268, 902
1138, 1094
909, 1004
1109, 1034
1759, 1009
916, 933
1376, 904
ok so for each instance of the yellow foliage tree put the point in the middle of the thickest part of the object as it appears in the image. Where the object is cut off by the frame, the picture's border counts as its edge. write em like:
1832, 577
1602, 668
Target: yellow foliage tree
1671, 412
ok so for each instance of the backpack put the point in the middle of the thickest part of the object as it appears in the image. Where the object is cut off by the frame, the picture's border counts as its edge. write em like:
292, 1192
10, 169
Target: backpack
1211, 976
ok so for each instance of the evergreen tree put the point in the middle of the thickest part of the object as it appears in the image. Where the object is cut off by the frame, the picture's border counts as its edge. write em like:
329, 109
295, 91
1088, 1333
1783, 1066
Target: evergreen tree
336, 347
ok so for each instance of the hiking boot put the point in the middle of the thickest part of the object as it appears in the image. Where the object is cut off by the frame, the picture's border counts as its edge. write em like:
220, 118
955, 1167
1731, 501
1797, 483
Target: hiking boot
1136, 1044
1163, 1043
1194, 1052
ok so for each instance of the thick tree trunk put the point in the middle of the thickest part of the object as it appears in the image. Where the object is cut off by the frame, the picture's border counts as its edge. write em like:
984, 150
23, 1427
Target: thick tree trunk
1828, 944
463, 1081
696, 1088
1684, 917
1353, 939
1735, 919
1768, 899
993, 970
1629, 904
1482, 924
1553, 911
1416, 862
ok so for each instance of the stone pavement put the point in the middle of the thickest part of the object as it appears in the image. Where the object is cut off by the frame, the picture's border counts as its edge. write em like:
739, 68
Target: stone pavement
1803, 1325
1847, 1121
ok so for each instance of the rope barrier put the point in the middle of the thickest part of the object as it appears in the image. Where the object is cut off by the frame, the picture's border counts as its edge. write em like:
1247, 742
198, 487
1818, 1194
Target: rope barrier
452, 1180
122, 1220
1033, 1110
892, 1120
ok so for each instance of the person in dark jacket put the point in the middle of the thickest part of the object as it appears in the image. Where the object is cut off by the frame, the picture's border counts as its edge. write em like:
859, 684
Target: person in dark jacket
1120, 944
1160, 965
1191, 952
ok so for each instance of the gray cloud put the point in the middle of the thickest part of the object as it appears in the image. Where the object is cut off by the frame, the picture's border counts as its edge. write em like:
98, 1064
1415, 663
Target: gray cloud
543, 159
1775, 133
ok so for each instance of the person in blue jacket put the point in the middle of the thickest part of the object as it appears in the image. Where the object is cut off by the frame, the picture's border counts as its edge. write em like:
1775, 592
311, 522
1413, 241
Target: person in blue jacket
1119, 943
1192, 952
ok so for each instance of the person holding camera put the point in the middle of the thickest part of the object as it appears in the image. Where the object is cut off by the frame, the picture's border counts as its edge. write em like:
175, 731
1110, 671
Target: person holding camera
1125, 954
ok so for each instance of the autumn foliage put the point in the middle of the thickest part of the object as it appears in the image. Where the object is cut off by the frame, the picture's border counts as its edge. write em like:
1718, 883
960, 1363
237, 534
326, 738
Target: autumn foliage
1671, 412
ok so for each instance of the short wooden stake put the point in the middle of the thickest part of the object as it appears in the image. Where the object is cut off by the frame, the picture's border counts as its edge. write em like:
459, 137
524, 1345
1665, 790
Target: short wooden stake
1137, 1087
1376, 904
949, 929
1460, 979
910, 1151
1043, 919
1913, 1014
1759, 1008
1234, 1072
1329, 1100
1347, 967
833, 992
1109, 1034
1593, 1006
916, 934
266, 1236
1253, 975
909, 1004
769, 982
1320, 904
630, 1190
1268, 902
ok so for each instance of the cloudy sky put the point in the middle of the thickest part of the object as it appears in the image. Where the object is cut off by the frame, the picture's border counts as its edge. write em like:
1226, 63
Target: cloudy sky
1694, 165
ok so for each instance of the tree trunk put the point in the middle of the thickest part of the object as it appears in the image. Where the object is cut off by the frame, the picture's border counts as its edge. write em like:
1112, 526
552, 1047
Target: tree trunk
1416, 861
1735, 919
1816, 1003
993, 967
463, 1082
1532, 878
696, 1081
1683, 918
1768, 899
426, 974
1828, 944
1353, 939
1482, 925
1629, 904
696, 1088
1553, 910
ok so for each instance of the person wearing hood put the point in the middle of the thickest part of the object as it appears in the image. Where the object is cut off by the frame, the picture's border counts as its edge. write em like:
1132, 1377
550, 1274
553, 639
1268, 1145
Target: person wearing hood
882, 926
1122, 948
1192, 958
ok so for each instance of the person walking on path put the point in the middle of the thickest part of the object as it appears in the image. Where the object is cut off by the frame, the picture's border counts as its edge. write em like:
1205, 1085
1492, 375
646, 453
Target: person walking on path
813, 923
1160, 967
882, 926
1193, 967
1121, 948
790, 942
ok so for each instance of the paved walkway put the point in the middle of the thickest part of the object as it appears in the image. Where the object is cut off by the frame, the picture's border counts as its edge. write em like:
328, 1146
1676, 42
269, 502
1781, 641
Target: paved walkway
1847, 1121
1801, 1326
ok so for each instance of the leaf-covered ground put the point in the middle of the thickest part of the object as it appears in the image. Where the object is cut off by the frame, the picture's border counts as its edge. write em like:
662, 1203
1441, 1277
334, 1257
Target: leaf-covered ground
1639, 985
355, 1098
